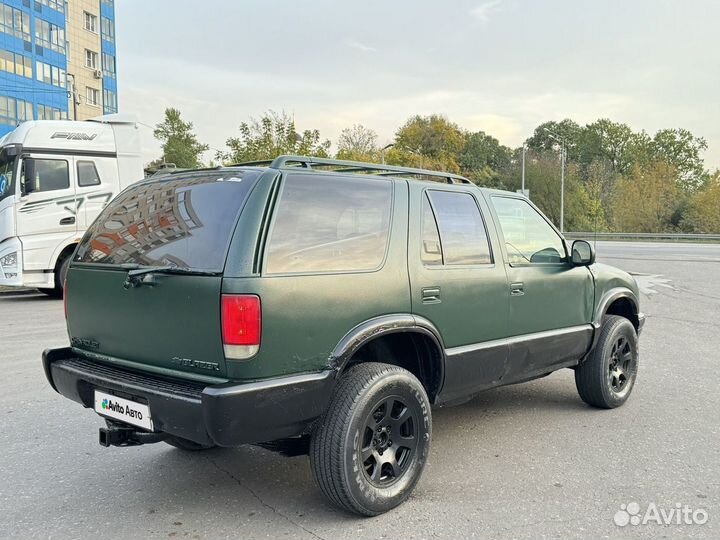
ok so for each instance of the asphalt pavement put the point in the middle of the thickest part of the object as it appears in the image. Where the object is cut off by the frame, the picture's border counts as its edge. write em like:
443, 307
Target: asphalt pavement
526, 461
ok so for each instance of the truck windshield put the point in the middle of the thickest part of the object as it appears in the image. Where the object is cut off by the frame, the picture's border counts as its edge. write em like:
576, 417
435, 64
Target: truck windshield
182, 221
7, 175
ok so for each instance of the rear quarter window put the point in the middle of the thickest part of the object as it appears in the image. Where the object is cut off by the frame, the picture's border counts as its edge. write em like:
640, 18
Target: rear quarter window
330, 224
184, 221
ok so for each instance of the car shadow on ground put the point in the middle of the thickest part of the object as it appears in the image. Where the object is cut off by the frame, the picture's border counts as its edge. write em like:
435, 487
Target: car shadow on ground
239, 483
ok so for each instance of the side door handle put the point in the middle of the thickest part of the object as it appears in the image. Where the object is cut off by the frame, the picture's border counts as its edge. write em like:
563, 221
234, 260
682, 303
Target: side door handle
67, 220
431, 295
517, 289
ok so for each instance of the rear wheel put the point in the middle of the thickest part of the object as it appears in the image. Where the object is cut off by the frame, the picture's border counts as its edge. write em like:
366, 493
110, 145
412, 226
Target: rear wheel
607, 376
369, 450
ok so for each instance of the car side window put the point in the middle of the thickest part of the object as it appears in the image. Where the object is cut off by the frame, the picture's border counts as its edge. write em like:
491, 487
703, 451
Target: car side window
431, 254
51, 175
529, 238
330, 224
463, 236
87, 174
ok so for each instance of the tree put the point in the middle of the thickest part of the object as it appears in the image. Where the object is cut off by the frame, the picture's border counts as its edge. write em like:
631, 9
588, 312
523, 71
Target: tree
681, 149
272, 135
646, 199
614, 142
433, 137
482, 159
357, 143
180, 145
567, 130
704, 211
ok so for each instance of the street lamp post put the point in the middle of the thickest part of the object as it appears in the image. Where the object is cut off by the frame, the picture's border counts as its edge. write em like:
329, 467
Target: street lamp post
382, 152
563, 151
524, 150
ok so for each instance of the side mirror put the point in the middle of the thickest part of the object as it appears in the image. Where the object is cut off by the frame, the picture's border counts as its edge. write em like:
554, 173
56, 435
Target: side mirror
583, 254
29, 184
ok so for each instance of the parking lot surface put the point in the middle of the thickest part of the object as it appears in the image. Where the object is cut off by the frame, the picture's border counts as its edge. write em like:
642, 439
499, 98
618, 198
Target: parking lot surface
525, 461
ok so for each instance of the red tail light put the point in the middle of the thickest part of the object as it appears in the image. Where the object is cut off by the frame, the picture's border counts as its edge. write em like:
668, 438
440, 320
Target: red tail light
241, 325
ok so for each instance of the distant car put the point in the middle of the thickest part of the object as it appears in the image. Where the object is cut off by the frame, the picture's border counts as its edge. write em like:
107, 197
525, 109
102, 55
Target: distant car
333, 299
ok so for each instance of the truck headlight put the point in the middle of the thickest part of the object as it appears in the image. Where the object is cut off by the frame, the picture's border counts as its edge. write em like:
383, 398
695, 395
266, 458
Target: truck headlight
9, 264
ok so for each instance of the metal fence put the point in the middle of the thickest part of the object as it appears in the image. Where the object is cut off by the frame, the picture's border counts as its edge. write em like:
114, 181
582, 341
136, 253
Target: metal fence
678, 237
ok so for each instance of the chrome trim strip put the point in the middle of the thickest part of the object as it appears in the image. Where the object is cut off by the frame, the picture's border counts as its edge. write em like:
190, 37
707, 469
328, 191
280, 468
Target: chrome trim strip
473, 347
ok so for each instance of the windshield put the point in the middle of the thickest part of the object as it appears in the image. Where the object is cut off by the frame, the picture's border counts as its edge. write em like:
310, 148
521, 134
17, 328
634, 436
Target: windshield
7, 175
182, 222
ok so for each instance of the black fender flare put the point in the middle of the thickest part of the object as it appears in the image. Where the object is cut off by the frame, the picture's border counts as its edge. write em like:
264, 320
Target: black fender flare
380, 326
602, 306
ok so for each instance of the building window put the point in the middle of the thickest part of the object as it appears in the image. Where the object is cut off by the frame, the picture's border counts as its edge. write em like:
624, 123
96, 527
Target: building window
108, 29
91, 59
108, 65
92, 95
90, 22
16, 63
110, 3
49, 35
45, 112
14, 22
58, 5
109, 102
50, 74
13, 111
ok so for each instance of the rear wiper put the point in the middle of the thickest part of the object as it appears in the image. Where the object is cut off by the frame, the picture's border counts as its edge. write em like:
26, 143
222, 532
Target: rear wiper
136, 276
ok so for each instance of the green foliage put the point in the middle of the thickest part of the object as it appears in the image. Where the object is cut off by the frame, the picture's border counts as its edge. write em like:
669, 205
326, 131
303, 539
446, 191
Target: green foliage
615, 179
272, 135
180, 145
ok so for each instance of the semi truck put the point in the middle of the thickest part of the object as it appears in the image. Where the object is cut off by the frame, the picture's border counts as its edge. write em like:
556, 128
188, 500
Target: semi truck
55, 178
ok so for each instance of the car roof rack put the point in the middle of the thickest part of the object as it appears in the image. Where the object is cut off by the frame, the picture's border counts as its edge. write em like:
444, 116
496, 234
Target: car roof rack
341, 165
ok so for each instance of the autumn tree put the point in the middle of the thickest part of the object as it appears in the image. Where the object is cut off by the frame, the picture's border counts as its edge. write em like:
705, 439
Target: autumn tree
646, 199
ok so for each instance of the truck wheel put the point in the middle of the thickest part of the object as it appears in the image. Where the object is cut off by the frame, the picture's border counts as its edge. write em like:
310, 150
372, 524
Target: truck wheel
608, 375
60, 274
184, 444
369, 449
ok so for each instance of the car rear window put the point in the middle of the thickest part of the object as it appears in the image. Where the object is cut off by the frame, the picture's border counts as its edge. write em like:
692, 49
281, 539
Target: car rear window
330, 224
185, 221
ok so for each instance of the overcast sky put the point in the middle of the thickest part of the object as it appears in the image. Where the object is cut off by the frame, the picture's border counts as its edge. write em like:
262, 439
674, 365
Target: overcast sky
501, 66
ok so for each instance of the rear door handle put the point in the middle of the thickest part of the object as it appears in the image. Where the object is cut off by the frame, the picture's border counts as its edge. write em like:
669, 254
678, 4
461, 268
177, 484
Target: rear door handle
431, 295
517, 289
67, 220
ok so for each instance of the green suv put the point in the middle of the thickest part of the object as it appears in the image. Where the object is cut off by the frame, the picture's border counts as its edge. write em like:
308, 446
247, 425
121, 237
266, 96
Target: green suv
334, 301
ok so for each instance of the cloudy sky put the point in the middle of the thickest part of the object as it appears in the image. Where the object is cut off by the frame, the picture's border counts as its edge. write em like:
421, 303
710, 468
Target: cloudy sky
501, 66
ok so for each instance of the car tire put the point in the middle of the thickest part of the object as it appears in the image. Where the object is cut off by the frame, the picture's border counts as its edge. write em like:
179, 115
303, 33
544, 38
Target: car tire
353, 457
606, 378
187, 445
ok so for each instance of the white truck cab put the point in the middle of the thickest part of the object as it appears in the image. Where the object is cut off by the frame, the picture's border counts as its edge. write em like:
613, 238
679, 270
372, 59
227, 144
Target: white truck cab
55, 178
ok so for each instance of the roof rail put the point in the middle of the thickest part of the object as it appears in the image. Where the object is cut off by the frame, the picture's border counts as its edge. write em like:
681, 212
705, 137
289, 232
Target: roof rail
341, 165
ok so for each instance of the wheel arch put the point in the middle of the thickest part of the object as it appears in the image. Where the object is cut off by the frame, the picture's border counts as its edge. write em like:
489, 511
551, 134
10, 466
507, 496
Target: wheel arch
391, 337
616, 301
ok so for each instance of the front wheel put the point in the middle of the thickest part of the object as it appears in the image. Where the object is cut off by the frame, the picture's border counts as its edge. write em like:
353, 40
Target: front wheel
607, 376
369, 450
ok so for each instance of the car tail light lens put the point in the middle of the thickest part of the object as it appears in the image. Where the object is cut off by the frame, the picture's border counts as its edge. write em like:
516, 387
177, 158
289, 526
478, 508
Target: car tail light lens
241, 325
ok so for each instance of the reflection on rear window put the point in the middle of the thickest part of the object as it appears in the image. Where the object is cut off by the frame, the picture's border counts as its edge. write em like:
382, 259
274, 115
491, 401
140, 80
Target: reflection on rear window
184, 222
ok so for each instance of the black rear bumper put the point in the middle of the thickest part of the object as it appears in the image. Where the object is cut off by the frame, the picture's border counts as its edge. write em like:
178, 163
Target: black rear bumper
225, 415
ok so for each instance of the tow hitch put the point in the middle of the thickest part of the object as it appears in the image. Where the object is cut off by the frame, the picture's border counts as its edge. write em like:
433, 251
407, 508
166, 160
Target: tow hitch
125, 436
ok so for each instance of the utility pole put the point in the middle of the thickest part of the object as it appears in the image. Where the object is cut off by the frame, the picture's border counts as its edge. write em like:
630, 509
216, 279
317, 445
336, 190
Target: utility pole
524, 150
563, 150
74, 95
